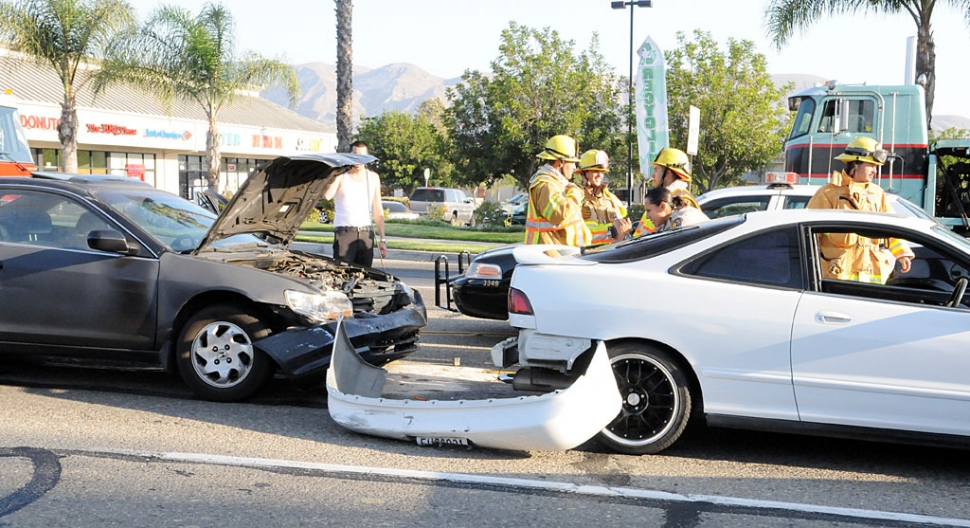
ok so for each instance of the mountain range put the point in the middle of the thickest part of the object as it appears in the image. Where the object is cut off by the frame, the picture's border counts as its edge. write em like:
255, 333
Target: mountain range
403, 87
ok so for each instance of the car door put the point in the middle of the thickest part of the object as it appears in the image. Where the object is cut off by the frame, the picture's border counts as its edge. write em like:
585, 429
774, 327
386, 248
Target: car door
886, 356
54, 290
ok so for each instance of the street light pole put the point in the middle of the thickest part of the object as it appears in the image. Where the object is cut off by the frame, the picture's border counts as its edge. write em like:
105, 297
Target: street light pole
630, 116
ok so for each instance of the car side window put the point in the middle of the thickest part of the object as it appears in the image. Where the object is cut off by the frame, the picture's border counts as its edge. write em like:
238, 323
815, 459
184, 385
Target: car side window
859, 263
735, 205
769, 258
47, 219
797, 202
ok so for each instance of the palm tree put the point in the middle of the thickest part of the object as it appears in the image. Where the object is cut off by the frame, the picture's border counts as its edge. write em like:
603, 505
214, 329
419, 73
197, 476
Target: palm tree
70, 36
345, 74
176, 55
784, 16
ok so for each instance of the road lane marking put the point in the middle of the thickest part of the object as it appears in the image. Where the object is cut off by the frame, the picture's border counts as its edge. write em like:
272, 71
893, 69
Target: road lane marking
565, 488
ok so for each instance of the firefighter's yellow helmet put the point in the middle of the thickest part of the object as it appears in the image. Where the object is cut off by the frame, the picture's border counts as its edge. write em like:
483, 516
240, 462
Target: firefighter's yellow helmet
594, 160
675, 160
561, 148
864, 149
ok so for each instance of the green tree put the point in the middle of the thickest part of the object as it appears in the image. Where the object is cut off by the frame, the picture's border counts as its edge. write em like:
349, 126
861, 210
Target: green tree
742, 123
177, 55
406, 145
783, 17
345, 74
70, 36
538, 87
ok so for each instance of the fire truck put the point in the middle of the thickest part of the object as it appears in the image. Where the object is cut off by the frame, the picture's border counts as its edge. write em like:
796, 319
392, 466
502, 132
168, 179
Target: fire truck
15, 157
935, 176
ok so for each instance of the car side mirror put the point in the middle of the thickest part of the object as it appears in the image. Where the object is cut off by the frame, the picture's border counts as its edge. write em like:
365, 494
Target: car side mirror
109, 240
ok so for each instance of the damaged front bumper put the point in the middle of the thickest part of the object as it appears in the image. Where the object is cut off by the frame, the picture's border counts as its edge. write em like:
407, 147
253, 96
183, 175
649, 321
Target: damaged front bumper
557, 420
303, 352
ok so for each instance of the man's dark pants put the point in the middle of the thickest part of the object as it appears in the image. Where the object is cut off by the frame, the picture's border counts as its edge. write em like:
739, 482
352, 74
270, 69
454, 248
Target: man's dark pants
354, 245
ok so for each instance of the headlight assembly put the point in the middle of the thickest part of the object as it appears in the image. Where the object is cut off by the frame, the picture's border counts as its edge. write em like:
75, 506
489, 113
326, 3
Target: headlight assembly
319, 307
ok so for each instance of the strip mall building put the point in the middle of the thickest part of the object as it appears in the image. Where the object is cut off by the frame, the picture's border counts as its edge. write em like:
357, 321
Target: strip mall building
125, 131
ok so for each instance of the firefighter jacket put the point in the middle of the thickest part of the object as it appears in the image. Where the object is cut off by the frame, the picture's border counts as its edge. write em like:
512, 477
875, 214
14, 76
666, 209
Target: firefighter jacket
677, 188
554, 215
848, 256
600, 207
684, 216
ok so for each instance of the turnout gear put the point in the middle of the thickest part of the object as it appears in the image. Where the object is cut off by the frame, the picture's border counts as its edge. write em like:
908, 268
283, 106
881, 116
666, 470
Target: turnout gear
848, 256
864, 149
554, 215
562, 148
600, 208
675, 160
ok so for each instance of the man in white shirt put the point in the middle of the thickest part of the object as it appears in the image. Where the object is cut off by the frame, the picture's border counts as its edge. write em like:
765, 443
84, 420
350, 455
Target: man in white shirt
356, 198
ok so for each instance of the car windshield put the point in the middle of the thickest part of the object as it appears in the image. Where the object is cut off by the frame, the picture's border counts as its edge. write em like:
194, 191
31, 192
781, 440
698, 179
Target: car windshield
395, 207
175, 222
660, 243
910, 209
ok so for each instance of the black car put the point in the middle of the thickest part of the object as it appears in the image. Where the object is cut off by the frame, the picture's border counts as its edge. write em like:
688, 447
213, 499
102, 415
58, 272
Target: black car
108, 268
484, 289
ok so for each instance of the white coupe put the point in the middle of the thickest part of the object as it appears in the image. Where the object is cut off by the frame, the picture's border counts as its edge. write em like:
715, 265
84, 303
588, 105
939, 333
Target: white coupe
730, 322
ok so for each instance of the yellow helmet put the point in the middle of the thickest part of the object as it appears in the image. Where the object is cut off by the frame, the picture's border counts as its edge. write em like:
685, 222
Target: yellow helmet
675, 160
864, 149
561, 148
594, 160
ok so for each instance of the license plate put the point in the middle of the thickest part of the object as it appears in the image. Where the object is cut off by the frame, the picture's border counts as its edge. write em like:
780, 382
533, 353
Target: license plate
422, 441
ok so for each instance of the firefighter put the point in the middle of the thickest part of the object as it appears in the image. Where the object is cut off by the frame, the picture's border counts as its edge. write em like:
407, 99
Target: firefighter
602, 210
670, 211
671, 170
555, 215
848, 256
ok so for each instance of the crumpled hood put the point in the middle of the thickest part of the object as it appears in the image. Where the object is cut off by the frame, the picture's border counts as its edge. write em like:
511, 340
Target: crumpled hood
278, 197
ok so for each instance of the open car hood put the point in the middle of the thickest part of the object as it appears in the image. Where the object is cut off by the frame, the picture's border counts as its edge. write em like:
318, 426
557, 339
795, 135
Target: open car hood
278, 197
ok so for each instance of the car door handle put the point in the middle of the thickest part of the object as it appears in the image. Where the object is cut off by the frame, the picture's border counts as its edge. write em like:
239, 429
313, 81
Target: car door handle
832, 318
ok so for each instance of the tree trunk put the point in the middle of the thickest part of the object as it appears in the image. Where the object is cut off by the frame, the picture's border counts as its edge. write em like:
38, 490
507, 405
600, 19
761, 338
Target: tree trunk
212, 152
345, 79
67, 133
926, 63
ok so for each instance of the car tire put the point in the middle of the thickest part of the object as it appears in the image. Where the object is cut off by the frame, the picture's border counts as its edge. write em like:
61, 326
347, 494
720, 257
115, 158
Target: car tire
656, 400
216, 357
324, 218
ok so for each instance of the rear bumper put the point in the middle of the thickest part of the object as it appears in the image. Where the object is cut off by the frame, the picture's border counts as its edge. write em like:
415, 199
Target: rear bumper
482, 298
557, 420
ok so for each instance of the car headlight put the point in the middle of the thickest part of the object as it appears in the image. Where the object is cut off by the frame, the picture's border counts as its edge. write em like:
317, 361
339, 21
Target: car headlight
480, 270
319, 307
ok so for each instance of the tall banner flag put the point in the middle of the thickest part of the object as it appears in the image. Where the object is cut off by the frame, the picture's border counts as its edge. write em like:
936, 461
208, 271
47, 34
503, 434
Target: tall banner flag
651, 100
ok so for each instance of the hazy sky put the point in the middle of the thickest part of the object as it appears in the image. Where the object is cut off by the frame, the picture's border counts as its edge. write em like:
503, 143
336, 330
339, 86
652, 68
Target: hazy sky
446, 37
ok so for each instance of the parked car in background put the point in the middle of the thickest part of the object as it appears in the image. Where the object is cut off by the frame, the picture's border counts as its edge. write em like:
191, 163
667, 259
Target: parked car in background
730, 322
513, 202
456, 207
738, 200
398, 211
108, 268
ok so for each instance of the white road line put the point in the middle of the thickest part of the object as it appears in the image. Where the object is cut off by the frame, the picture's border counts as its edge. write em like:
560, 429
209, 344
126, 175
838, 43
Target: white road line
559, 487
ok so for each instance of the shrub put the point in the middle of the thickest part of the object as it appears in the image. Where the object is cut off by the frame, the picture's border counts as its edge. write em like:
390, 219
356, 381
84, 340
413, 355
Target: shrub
435, 212
490, 213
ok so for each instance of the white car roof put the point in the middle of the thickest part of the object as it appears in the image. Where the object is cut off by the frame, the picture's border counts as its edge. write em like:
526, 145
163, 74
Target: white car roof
758, 190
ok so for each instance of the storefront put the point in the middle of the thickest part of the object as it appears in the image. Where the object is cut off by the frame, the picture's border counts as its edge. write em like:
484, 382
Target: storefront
125, 132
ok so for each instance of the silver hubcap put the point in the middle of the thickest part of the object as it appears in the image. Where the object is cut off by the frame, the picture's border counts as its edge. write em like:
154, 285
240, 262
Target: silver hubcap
222, 354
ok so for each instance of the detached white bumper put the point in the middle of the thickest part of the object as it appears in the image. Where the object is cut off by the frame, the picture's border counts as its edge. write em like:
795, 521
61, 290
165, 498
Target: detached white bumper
558, 420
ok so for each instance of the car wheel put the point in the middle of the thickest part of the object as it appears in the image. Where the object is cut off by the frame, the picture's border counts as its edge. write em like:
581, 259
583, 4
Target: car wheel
656, 400
324, 218
216, 356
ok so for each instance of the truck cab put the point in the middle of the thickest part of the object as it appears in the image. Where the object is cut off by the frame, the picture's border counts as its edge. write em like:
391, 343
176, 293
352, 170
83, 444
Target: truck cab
828, 117
15, 157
